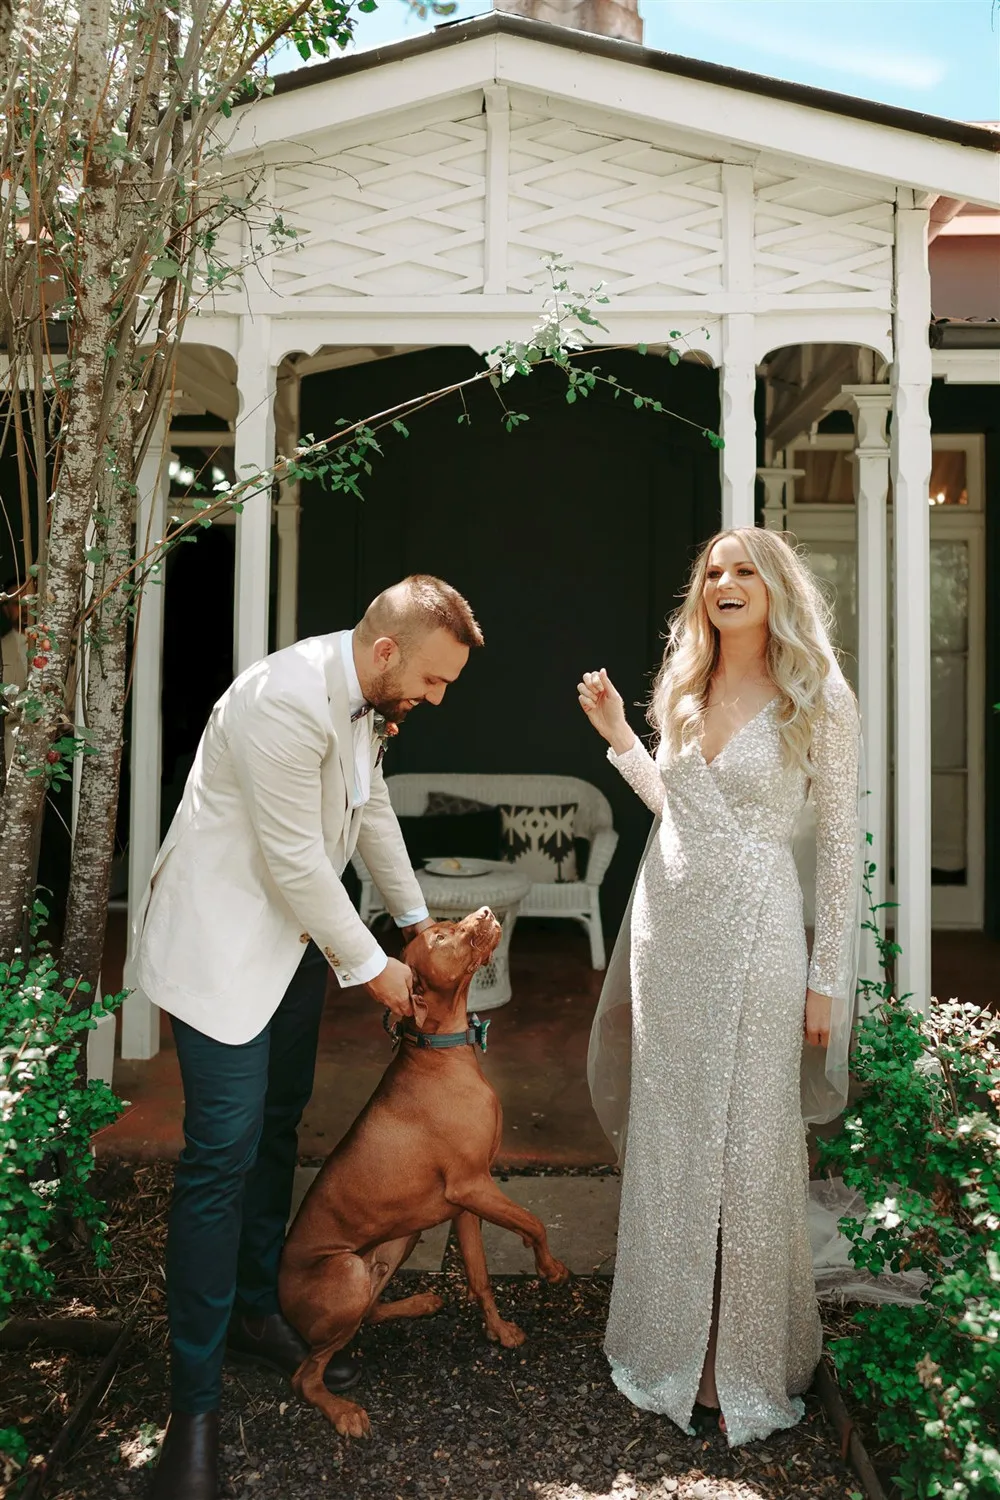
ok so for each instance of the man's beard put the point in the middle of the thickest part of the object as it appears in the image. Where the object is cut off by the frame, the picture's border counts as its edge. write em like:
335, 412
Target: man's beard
386, 701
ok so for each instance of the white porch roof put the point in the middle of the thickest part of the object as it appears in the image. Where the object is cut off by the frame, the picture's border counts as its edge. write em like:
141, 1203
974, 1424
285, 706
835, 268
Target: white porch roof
427, 180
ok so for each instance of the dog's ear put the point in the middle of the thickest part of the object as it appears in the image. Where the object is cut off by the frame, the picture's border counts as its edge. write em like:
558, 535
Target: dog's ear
419, 1001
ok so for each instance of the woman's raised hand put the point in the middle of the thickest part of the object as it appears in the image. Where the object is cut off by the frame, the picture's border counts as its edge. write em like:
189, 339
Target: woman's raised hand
602, 703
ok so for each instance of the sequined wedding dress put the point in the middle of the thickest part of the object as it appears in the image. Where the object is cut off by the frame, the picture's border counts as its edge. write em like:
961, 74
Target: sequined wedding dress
715, 975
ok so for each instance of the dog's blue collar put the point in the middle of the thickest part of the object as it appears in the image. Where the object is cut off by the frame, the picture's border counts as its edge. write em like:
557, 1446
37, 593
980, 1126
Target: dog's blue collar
405, 1031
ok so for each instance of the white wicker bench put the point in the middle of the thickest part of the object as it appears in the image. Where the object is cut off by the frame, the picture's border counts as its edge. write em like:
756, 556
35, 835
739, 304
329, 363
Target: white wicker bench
578, 900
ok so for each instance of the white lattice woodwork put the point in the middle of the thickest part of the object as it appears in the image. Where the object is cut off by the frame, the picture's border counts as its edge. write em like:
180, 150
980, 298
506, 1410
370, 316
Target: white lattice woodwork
447, 207
646, 221
401, 216
813, 235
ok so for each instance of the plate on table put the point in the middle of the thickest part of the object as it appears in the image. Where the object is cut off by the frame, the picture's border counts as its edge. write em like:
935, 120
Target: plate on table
458, 867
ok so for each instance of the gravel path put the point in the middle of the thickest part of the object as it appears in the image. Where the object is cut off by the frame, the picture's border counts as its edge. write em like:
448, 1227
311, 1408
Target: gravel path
453, 1417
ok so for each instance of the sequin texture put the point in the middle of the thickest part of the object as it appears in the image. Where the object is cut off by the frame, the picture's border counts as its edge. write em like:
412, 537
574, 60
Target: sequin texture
716, 1159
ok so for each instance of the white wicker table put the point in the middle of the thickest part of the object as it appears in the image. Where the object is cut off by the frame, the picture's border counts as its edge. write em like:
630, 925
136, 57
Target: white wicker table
502, 889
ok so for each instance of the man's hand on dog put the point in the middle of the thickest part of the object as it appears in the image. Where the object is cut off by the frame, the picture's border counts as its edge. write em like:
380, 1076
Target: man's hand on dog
393, 988
409, 933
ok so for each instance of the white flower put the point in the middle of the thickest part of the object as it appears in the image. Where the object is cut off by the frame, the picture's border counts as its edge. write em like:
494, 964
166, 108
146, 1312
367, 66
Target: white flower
886, 1213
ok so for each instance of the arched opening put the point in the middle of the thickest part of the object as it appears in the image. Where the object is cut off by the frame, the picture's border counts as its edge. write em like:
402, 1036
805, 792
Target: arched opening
571, 536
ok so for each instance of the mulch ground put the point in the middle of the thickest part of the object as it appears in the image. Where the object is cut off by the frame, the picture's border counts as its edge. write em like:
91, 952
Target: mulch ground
453, 1417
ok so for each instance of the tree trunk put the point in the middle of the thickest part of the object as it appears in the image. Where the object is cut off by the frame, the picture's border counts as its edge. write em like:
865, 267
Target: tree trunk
105, 637
100, 771
6, 28
73, 499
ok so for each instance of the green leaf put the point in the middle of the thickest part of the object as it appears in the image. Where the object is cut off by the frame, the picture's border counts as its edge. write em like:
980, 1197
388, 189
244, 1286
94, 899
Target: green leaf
164, 268
642, 348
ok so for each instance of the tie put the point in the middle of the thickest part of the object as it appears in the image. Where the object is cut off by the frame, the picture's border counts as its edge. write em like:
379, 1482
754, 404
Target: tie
359, 713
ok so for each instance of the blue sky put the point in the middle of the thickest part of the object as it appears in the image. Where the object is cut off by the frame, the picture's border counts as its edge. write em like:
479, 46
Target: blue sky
941, 56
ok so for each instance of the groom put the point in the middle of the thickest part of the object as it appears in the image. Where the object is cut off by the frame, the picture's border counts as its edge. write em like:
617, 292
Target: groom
243, 919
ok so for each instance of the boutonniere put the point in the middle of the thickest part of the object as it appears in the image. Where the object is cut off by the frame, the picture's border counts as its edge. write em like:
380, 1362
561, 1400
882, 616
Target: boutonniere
385, 730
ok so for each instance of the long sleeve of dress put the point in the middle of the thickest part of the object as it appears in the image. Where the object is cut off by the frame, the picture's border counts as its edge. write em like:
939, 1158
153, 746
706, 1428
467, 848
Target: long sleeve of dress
642, 774
835, 759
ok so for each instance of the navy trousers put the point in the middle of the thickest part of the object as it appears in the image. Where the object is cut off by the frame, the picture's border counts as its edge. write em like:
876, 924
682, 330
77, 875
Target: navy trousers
233, 1182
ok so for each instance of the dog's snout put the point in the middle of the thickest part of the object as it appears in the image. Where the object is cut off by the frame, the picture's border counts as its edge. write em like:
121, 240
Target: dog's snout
484, 930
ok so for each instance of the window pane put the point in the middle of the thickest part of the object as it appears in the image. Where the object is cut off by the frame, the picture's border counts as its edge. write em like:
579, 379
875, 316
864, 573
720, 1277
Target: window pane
948, 713
948, 477
835, 567
949, 596
948, 824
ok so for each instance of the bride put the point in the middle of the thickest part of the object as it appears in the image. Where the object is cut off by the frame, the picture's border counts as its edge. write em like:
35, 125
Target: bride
711, 992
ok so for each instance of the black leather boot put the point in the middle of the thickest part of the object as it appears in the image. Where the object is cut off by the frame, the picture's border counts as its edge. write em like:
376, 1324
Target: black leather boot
189, 1459
269, 1341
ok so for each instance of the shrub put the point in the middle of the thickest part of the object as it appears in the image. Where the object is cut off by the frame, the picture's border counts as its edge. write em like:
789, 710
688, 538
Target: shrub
48, 1114
923, 1148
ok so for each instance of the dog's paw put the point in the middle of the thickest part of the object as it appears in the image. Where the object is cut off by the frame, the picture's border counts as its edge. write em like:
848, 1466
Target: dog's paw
426, 1303
507, 1334
557, 1273
351, 1421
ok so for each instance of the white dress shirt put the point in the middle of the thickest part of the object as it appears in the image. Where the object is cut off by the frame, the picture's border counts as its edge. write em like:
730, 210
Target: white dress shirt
362, 728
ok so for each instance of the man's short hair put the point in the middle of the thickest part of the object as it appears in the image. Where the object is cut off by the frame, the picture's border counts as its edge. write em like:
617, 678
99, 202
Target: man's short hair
418, 605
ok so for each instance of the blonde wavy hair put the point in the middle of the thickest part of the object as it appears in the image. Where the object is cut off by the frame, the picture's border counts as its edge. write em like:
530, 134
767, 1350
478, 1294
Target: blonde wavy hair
798, 647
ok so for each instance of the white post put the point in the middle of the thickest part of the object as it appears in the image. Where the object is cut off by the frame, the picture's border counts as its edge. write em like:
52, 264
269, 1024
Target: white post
288, 511
738, 373
870, 407
779, 488
140, 1018
737, 390
911, 471
256, 380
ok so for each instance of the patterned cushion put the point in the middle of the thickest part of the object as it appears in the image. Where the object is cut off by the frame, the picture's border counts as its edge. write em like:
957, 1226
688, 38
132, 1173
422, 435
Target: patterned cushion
450, 804
539, 840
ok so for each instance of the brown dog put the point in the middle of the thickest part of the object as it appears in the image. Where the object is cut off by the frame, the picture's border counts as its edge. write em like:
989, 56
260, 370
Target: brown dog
418, 1155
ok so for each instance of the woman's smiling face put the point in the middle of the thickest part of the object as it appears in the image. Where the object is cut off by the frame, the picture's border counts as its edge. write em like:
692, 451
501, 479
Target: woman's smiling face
735, 594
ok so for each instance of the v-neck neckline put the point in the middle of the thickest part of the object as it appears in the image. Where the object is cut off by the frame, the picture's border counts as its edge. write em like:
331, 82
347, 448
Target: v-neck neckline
708, 764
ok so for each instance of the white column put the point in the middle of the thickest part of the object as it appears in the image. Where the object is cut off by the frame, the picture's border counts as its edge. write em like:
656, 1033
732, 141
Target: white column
288, 512
286, 625
911, 471
737, 390
738, 373
870, 405
779, 488
256, 380
140, 1018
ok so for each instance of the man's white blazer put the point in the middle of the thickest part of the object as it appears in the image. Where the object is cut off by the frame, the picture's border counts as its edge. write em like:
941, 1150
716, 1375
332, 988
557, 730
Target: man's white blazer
250, 867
